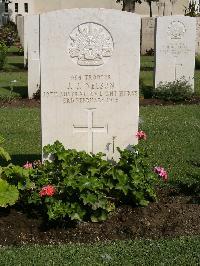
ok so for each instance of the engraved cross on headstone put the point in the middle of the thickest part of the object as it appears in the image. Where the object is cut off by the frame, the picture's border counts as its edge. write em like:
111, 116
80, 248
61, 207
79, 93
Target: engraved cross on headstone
90, 129
177, 70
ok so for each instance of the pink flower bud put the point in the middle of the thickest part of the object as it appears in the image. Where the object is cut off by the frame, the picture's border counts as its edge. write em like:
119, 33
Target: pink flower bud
161, 172
141, 135
28, 165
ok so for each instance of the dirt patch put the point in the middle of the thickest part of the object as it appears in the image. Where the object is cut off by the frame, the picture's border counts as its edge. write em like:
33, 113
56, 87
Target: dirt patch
171, 216
147, 102
13, 70
20, 103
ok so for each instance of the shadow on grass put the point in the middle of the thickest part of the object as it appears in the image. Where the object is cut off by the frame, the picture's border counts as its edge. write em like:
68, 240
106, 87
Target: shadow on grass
146, 91
146, 68
14, 53
22, 91
21, 159
19, 66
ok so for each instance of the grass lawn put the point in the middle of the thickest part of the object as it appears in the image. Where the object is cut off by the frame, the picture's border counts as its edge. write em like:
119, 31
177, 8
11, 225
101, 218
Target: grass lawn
174, 137
10, 89
21, 129
176, 252
147, 74
14, 63
13, 70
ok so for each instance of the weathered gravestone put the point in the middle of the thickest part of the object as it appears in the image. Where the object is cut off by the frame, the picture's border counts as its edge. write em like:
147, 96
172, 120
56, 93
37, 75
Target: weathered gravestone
1, 13
175, 49
197, 35
33, 44
147, 35
49, 5
27, 27
20, 29
90, 79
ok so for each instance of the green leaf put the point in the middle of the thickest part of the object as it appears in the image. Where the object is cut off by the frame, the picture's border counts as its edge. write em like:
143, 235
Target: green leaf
9, 194
143, 202
1, 170
4, 154
57, 209
123, 188
99, 216
27, 185
89, 198
76, 212
1, 140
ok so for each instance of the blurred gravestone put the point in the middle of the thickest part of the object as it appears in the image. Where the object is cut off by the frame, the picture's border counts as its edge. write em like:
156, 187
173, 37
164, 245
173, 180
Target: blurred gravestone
147, 35
33, 51
175, 49
197, 35
20, 29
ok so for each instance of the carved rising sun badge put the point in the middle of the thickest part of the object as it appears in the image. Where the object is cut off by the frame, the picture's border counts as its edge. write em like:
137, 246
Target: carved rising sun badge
91, 44
176, 30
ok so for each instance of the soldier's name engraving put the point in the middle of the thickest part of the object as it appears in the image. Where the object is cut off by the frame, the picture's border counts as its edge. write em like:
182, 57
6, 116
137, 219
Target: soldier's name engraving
175, 49
89, 88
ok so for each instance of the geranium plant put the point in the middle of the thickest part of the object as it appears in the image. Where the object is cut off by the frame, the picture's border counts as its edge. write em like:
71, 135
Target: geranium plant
80, 186
8, 193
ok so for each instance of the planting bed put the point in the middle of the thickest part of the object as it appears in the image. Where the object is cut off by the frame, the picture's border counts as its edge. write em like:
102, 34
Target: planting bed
172, 215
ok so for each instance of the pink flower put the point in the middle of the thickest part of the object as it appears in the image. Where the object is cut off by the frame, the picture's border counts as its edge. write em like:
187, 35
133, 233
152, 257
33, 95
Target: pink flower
48, 190
161, 172
28, 165
141, 135
157, 169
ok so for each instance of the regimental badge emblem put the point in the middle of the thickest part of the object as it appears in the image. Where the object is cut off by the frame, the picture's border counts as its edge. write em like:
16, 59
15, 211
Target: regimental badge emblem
90, 44
176, 30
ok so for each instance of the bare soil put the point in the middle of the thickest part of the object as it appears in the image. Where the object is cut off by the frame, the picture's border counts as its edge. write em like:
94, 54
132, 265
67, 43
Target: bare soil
20, 103
172, 215
146, 102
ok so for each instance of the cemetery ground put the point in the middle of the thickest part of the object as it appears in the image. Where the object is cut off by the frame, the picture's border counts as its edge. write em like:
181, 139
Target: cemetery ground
13, 76
172, 222
171, 143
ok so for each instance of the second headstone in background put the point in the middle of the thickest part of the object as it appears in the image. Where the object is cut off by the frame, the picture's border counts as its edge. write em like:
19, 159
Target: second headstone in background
147, 35
175, 49
198, 35
33, 50
27, 25
20, 28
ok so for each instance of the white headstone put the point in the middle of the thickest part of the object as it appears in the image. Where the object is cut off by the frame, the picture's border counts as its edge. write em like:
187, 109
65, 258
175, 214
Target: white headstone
198, 35
20, 29
175, 49
161, 8
148, 27
1, 13
27, 25
33, 55
42, 6
90, 79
